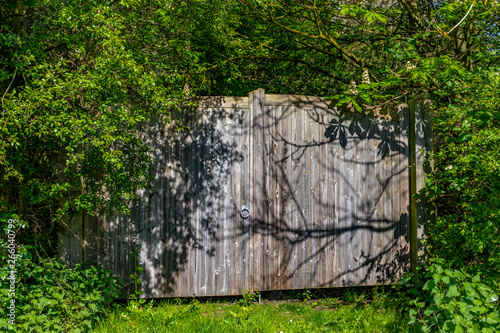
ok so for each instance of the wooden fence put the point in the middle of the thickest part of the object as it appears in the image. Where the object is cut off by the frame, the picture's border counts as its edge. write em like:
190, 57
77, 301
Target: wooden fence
327, 191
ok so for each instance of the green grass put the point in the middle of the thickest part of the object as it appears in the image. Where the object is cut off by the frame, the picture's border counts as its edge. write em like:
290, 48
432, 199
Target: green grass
323, 315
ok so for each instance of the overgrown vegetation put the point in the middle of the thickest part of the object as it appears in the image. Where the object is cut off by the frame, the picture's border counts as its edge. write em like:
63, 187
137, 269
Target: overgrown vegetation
50, 297
449, 300
78, 78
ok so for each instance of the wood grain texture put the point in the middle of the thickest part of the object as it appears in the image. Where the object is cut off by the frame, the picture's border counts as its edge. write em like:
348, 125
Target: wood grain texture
327, 189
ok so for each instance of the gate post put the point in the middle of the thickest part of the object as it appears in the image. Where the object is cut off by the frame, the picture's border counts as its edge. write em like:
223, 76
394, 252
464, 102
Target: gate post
422, 212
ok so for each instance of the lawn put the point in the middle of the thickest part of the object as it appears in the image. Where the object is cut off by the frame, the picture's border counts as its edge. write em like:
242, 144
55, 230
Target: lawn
353, 313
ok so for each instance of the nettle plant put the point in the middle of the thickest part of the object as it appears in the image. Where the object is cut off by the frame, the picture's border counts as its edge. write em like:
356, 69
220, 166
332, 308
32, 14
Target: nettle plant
453, 300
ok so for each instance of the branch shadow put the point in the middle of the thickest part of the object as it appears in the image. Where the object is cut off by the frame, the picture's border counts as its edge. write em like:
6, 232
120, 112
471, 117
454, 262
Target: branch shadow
329, 204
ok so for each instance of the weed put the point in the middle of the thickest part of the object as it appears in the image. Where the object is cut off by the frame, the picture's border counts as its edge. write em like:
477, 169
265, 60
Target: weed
380, 298
333, 301
354, 298
306, 295
248, 298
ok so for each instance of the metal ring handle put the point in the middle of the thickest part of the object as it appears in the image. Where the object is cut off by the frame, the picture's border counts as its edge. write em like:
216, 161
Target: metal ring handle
245, 212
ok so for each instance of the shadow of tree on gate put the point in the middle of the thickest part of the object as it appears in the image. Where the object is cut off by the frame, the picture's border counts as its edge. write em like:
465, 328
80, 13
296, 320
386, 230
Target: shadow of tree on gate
329, 210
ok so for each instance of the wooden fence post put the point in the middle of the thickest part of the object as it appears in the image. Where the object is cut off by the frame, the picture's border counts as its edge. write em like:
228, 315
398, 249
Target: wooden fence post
421, 211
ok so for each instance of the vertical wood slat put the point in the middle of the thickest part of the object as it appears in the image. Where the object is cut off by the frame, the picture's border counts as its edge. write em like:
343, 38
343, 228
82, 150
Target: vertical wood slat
325, 238
365, 209
359, 161
206, 203
357, 232
259, 183
332, 214
247, 190
269, 217
387, 206
312, 204
234, 200
277, 167
305, 186
295, 192
314, 198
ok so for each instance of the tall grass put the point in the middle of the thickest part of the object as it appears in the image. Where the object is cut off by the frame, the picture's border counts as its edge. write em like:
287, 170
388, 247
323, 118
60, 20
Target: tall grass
323, 315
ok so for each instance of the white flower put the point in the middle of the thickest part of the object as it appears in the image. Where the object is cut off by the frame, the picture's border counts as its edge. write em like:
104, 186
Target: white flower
409, 66
366, 77
449, 167
353, 90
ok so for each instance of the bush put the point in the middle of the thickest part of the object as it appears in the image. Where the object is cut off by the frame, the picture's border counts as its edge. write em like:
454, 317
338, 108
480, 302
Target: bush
51, 297
450, 300
465, 186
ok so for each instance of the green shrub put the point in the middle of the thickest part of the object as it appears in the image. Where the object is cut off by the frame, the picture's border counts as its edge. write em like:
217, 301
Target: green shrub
465, 186
50, 297
450, 300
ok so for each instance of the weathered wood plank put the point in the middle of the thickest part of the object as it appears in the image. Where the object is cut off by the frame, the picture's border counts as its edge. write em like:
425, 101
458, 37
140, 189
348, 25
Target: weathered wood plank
268, 275
331, 214
295, 153
379, 205
154, 214
235, 200
305, 263
364, 206
259, 183
396, 198
328, 194
286, 269
314, 198
193, 265
324, 238
247, 196
387, 203
218, 202
225, 201
357, 213
206, 204
167, 215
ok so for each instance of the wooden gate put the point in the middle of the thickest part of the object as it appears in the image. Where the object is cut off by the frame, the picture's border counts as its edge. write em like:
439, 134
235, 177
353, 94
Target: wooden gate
327, 192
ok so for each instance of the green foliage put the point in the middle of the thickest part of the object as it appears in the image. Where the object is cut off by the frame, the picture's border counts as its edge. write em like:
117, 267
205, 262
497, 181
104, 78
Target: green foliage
54, 298
306, 295
248, 298
48, 295
452, 300
466, 181
135, 276
355, 297
84, 78
381, 298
